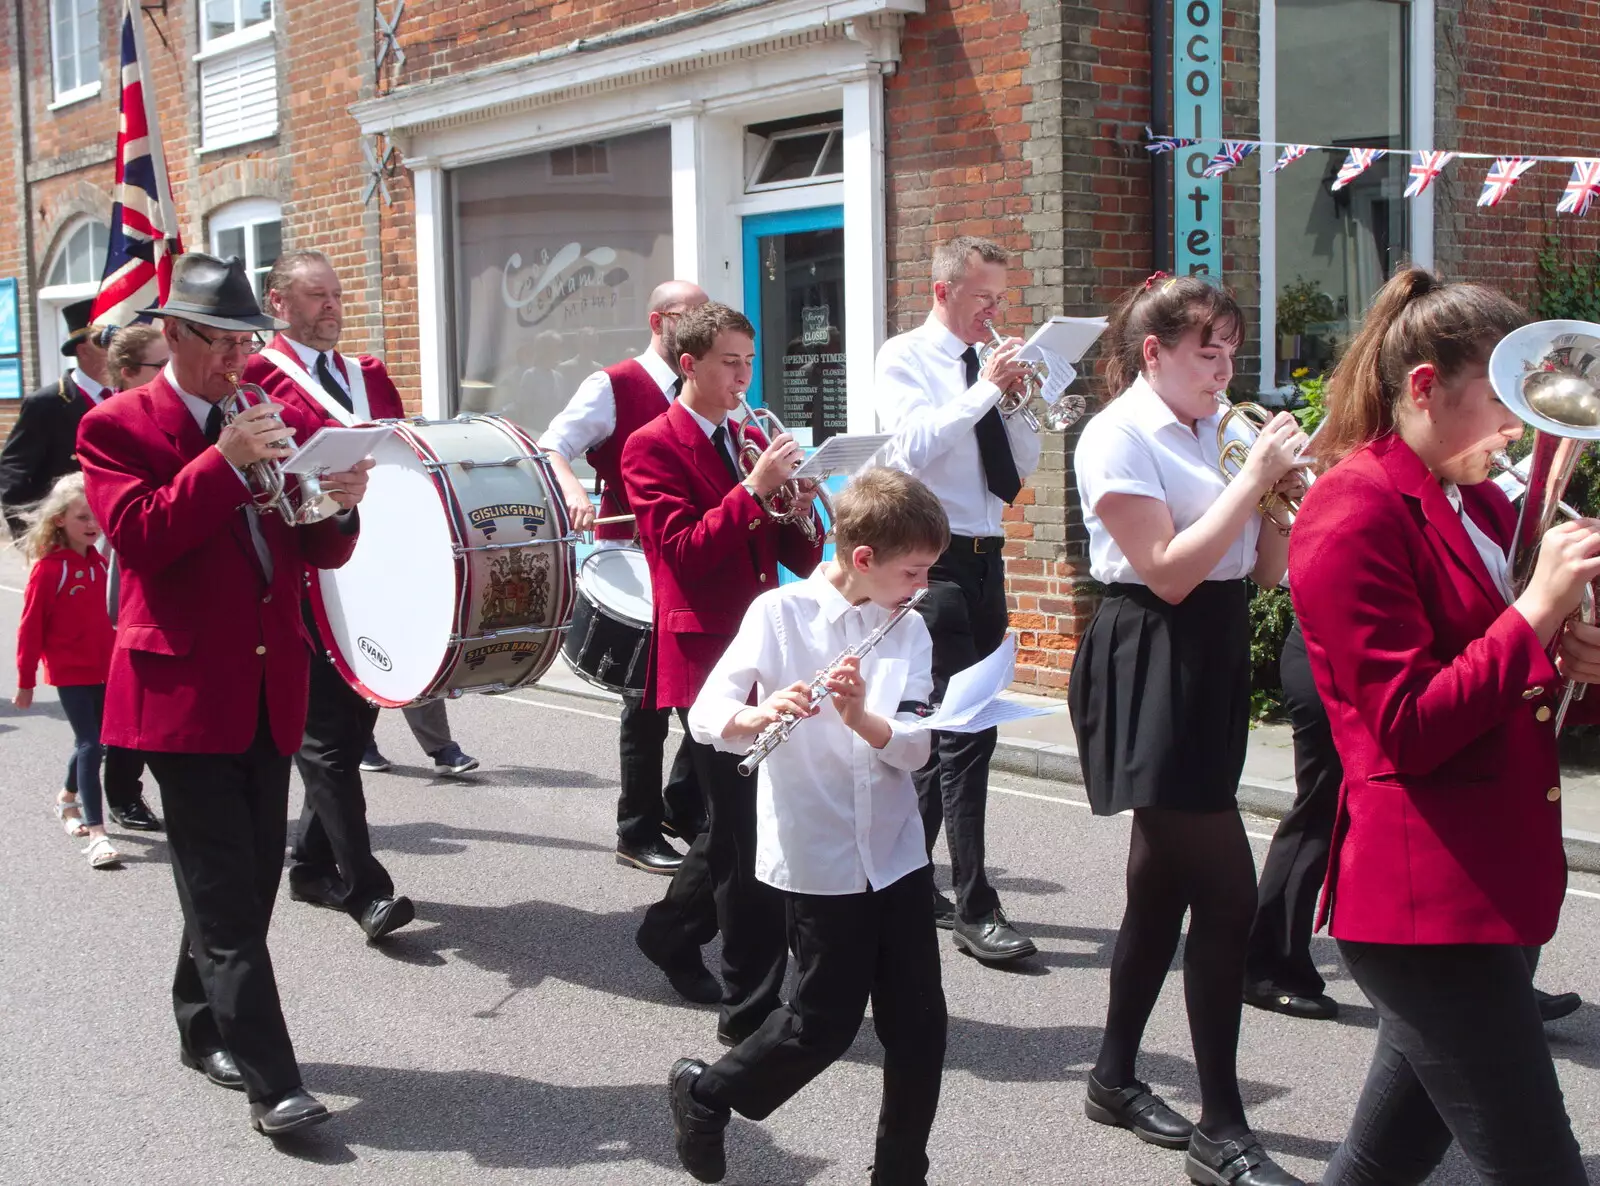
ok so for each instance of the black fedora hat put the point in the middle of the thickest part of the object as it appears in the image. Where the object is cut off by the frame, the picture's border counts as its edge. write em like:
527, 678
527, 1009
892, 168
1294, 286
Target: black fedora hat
78, 327
214, 292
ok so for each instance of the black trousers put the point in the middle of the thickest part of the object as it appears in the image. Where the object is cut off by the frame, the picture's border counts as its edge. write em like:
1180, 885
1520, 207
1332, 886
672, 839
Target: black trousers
716, 889
966, 613
643, 806
225, 828
852, 948
1297, 861
122, 776
333, 835
1461, 1055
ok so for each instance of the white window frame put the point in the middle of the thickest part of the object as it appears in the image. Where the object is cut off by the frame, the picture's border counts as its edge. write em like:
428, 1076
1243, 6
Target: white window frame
1419, 121
240, 41
83, 90
835, 130
244, 215
48, 302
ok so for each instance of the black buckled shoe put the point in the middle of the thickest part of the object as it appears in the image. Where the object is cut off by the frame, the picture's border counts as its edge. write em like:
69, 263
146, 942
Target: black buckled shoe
1554, 1006
944, 912
992, 939
295, 1110
1138, 1109
1237, 1162
1278, 1000
135, 816
218, 1066
386, 915
658, 857
696, 1129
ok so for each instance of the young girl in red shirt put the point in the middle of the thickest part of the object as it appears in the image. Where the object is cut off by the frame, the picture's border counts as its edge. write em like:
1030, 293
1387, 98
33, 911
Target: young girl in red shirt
65, 623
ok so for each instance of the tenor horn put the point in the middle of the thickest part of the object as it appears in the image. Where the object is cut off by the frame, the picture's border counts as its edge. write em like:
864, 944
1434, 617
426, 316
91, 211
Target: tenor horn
300, 498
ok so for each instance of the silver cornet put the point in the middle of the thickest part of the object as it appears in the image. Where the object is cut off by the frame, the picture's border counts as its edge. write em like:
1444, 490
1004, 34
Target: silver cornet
787, 503
1019, 400
270, 488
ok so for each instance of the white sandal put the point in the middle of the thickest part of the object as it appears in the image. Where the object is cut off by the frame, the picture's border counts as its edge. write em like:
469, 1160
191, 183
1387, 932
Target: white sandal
102, 855
73, 822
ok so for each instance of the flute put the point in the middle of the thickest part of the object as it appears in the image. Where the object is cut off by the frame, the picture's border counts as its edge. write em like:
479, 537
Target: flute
778, 732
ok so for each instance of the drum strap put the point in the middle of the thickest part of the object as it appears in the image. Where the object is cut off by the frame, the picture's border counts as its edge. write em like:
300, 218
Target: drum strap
303, 380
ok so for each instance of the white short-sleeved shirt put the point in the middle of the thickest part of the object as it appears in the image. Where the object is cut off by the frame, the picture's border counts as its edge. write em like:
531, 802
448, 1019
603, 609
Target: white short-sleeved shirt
1135, 445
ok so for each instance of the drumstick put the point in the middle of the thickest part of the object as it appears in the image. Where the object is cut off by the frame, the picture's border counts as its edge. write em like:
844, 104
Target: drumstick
615, 519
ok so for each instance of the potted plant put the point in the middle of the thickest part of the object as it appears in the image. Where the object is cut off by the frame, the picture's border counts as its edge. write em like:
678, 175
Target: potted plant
1300, 305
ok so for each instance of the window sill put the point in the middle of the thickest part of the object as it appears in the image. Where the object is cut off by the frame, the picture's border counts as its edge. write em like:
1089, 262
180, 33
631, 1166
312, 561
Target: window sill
224, 145
75, 95
252, 35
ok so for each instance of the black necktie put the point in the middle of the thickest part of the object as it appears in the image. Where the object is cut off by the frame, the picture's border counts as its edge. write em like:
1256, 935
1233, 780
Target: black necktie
214, 424
994, 449
719, 441
330, 384
677, 388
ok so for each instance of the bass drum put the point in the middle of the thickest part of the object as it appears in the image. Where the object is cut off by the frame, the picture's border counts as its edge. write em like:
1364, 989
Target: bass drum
464, 575
609, 642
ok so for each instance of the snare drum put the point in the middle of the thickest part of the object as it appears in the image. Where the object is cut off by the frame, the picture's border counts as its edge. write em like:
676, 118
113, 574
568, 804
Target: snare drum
464, 574
609, 641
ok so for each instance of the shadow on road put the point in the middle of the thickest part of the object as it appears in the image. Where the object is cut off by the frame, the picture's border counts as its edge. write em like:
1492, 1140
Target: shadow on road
505, 1122
432, 839
503, 776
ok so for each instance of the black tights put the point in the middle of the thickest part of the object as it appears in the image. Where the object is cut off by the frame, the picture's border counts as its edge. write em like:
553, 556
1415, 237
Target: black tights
1177, 861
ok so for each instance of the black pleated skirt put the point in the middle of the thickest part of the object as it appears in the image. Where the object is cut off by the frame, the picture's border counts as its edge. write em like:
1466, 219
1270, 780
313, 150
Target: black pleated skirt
1160, 699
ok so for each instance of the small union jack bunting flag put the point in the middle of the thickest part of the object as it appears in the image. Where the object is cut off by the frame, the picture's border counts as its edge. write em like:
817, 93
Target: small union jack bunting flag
1502, 176
1168, 143
1233, 151
1357, 163
1581, 188
1291, 153
1425, 167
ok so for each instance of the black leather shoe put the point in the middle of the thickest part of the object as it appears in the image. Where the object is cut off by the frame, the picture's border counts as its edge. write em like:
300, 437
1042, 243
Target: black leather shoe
1238, 1162
944, 912
696, 1129
135, 817
218, 1066
1556, 1005
686, 832
296, 1110
1138, 1109
319, 891
386, 915
684, 970
992, 939
659, 857
1276, 1000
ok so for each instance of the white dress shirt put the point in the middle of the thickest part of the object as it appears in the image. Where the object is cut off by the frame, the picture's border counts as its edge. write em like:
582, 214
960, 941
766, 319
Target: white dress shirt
1493, 557
201, 411
93, 388
590, 417
1135, 445
833, 815
922, 398
308, 359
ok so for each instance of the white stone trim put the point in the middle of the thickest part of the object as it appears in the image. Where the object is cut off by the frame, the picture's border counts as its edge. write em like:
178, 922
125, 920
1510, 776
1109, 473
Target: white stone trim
433, 324
865, 255
1420, 118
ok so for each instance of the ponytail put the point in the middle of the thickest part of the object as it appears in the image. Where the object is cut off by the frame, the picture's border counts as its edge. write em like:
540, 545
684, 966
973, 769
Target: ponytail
1167, 307
1415, 318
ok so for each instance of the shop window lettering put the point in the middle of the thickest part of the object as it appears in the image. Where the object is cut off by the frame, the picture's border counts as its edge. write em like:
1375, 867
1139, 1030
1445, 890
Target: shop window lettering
565, 282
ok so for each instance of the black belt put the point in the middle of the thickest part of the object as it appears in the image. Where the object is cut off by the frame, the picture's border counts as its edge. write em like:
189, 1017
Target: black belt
982, 545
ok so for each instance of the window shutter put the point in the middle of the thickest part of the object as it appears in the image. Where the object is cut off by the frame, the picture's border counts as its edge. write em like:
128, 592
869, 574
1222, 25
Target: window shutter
239, 95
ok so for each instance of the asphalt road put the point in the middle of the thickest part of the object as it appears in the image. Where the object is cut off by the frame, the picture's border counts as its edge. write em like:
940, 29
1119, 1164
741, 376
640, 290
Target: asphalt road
514, 1034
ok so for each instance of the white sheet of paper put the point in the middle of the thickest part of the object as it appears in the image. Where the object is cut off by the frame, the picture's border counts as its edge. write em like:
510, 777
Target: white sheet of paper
842, 454
1069, 338
333, 450
972, 701
998, 712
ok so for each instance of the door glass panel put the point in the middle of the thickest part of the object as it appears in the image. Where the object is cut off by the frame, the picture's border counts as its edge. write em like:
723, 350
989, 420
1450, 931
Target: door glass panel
801, 275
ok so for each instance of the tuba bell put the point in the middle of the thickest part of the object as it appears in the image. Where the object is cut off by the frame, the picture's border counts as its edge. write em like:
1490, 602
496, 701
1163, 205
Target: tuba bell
785, 504
1548, 374
299, 498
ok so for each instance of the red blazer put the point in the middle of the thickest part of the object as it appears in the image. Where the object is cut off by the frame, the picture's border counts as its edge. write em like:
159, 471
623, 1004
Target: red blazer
712, 550
65, 621
199, 627
383, 398
1440, 698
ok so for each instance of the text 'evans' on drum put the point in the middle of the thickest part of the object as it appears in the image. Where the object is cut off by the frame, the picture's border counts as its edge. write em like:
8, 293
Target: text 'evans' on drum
608, 643
464, 573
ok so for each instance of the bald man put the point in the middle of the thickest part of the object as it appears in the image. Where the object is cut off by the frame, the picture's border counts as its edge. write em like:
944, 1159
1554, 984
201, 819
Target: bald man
609, 406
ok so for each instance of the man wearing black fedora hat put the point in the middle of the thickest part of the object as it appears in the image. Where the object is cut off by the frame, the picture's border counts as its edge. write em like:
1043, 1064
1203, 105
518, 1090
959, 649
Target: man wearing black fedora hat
43, 445
209, 678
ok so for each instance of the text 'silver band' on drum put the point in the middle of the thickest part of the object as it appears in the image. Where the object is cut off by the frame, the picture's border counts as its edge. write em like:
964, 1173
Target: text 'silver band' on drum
464, 575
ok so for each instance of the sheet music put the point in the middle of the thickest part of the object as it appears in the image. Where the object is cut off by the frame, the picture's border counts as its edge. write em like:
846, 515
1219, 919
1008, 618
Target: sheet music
972, 702
334, 450
843, 454
1059, 343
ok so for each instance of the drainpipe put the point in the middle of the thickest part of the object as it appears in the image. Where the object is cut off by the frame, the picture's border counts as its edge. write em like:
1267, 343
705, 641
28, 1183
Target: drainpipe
1160, 180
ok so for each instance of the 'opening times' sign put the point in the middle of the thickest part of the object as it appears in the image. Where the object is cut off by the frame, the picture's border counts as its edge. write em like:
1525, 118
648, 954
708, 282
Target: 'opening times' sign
1197, 112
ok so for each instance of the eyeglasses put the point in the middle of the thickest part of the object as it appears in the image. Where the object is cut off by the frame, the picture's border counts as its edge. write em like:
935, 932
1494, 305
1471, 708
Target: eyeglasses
143, 366
220, 346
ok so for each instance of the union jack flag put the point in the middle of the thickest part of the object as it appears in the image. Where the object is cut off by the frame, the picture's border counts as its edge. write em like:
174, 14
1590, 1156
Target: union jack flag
1581, 188
1166, 143
144, 221
1291, 153
1425, 167
1357, 163
1231, 153
1502, 176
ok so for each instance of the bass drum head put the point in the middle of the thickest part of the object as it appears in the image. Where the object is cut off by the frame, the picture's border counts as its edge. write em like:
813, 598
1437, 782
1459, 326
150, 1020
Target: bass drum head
619, 580
388, 614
